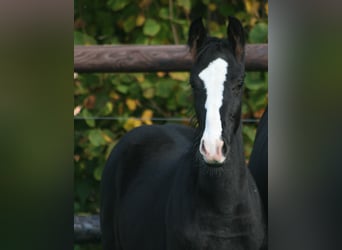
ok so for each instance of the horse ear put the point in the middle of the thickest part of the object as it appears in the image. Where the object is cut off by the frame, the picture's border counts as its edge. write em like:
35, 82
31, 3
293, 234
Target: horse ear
236, 37
197, 35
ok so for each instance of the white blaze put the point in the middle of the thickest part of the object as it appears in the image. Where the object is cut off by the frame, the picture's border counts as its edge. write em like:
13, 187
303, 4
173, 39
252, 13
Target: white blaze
213, 78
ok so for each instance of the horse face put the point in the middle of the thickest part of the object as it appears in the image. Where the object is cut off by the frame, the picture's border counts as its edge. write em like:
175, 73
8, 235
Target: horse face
216, 79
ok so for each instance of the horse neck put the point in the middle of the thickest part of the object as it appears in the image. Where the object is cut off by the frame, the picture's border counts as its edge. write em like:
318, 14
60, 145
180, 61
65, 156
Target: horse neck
226, 189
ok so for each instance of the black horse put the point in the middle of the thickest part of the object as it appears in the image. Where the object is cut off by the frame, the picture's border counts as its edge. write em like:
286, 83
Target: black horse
258, 163
174, 187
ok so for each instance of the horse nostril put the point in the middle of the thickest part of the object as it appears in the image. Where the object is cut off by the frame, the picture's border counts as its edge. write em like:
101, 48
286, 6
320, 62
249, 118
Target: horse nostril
203, 147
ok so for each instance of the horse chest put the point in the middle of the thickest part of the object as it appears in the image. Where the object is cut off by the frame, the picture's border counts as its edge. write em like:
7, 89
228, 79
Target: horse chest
209, 231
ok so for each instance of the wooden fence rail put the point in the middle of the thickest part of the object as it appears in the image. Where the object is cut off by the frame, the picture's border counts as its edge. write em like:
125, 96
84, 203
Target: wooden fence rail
87, 229
142, 58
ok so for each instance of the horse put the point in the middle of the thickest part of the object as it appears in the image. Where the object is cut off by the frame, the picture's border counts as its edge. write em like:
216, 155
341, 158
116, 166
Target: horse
178, 187
258, 162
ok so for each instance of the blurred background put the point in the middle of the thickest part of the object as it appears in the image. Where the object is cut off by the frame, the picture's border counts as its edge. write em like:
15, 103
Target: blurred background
106, 106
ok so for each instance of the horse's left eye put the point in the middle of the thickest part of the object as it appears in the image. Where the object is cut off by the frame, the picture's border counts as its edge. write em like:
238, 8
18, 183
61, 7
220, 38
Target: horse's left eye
236, 88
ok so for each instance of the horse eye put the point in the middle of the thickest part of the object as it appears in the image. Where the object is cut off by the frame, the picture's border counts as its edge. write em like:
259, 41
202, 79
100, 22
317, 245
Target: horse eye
236, 89
198, 89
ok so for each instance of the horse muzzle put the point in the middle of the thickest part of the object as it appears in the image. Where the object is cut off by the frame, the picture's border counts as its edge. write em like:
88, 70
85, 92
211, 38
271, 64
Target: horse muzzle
213, 151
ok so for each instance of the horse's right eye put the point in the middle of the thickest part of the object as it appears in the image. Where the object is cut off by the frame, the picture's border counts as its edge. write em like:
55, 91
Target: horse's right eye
197, 87
199, 91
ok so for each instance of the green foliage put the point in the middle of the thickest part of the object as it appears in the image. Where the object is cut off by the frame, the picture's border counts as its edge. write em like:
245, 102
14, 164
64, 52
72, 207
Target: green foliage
151, 27
259, 33
134, 99
118, 4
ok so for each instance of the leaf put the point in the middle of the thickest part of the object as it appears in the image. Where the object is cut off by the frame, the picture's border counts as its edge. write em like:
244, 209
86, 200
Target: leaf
82, 190
252, 7
118, 4
149, 93
144, 4
146, 116
129, 24
213, 26
151, 27
180, 76
140, 77
108, 136
98, 173
146, 84
109, 149
164, 13
164, 87
95, 137
259, 33
140, 20
185, 4
161, 74
171, 104
141, 39
255, 84
81, 38
126, 78
245, 108
183, 99
89, 102
212, 7
122, 89
257, 101
107, 109
90, 122
114, 95
226, 9
254, 81
179, 21
93, 152
132, 123
249, 132
131, 104
80, 89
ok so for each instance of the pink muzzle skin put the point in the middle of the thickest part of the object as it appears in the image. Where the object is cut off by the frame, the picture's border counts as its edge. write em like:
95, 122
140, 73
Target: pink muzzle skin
212, 151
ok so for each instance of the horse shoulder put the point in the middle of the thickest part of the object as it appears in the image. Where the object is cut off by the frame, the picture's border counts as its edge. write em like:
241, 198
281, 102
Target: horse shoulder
140, 173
